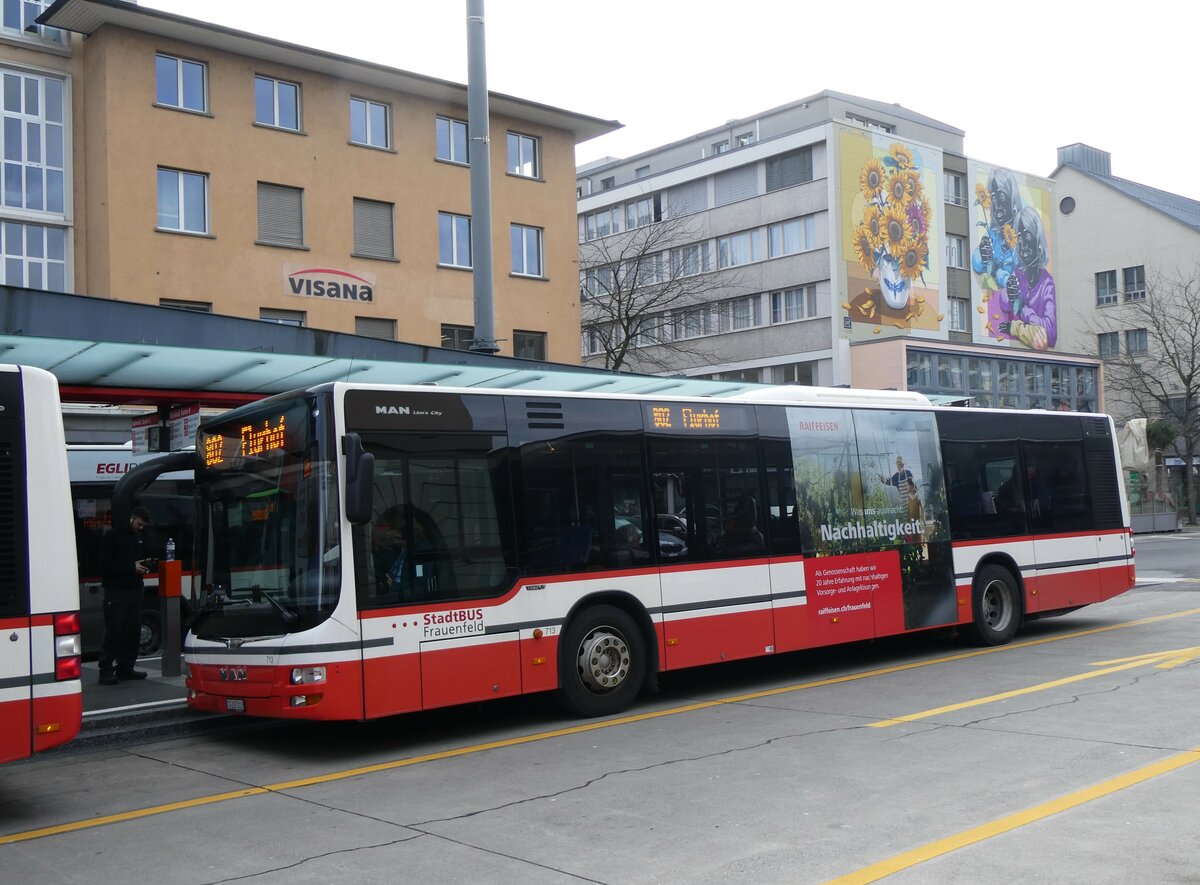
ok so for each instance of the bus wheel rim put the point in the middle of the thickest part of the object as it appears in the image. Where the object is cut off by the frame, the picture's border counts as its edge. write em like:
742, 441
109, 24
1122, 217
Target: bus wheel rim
604, 660
996, 606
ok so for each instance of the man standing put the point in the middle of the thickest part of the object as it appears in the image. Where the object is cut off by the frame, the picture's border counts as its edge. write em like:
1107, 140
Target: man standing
902, 480
125, 565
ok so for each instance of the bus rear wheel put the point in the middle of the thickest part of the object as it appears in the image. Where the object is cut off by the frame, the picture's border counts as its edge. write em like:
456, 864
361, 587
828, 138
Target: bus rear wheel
996, 606
602, 662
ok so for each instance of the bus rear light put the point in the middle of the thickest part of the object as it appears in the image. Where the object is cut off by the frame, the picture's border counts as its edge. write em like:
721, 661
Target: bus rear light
66, 622
299, 700
307, 675
49, 728
67, 668
67, 646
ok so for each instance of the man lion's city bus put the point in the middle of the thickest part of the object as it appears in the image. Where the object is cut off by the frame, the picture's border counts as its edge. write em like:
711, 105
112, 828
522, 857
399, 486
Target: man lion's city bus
41, 704
372, 550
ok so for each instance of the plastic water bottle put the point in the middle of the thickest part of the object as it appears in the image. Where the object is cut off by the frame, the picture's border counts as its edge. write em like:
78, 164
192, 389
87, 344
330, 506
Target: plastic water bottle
170, 549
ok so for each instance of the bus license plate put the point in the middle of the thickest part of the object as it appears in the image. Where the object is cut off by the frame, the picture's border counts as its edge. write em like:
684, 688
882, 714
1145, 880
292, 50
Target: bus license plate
235, 705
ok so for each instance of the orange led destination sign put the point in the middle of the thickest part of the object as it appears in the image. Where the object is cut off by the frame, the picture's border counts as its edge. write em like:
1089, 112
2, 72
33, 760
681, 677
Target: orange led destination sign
684, 418
254, 441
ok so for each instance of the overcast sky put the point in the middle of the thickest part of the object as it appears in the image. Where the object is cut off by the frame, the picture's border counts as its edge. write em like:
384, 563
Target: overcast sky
1021, 78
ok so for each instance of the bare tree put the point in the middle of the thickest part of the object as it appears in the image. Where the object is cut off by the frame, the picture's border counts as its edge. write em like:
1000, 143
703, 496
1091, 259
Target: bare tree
1157, 371
646, 293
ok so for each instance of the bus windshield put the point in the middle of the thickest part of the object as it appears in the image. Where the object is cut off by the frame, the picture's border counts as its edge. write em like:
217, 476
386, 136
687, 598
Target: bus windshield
268, 491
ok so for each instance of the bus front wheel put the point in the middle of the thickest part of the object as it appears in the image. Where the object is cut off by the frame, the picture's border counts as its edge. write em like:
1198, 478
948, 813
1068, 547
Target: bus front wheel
602, 662
996, 606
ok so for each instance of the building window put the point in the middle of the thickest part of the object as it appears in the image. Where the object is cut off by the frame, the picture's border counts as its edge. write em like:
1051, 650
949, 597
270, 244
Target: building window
35, 256
457, 337
691, 323
641, 172
182, 201
277, 103
607, 184
526, 243
642, 212
739, 313
956, 190
1135, 282
529, 345
790, 169
34, 147
20, 21
598, 281
745, 139
282, 317
375, 327
193, 306
873, 125
1108, 345
721, 147
523, 156
1136, 341
280, 215
452, 143
739, 248
791, 236
956, 251
960, 315
369, 123
690, 260
454, 240
796, 373
180, 83
1106, 288
602, 223
794, 304
374, 234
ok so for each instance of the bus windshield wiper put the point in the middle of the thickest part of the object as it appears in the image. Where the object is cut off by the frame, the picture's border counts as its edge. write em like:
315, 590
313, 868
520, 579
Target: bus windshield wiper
257, 593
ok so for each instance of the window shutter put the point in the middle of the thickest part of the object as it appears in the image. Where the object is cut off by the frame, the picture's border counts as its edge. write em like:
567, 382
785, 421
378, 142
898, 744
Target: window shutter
280, 215
373, 234
687, 198
737, 184
792, 168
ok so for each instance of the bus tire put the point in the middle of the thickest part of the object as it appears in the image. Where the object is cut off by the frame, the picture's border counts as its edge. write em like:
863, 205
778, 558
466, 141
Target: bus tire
601, 662
995, 605
150, 638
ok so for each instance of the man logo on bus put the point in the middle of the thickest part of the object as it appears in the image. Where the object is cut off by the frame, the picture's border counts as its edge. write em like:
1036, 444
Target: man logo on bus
232, 674
393, 410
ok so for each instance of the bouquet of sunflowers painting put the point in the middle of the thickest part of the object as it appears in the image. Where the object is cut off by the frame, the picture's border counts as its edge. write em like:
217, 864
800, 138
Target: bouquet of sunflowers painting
891, 240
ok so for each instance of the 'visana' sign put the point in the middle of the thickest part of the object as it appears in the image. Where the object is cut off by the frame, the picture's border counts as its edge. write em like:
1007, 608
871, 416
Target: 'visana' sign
328, 282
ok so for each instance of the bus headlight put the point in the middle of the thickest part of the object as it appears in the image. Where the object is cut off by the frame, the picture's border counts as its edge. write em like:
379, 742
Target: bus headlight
307, 675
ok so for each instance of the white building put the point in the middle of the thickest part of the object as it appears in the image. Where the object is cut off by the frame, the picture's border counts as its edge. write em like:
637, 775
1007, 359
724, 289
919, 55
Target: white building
786, 220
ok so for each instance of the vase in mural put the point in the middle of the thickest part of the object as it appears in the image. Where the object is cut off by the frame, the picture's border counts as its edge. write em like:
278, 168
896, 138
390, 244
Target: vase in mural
893, 287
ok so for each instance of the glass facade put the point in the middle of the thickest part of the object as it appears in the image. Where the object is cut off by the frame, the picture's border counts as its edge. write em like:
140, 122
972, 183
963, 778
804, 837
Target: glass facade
993, 382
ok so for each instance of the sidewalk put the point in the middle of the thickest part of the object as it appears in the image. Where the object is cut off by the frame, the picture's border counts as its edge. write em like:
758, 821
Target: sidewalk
154, 707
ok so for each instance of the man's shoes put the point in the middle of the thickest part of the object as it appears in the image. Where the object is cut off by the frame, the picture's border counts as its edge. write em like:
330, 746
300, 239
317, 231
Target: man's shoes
130, 674
108, 677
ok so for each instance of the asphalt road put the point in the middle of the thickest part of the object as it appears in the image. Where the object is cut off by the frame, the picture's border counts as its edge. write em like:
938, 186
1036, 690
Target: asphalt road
1067, 756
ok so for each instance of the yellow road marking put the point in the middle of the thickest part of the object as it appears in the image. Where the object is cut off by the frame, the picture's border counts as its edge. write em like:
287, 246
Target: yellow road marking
1165, 660
907, 859
561, 732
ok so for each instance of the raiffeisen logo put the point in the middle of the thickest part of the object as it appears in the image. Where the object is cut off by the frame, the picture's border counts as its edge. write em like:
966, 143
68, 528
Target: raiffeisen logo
328, 282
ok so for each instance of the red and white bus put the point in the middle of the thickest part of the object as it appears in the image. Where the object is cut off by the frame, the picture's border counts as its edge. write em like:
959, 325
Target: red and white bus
41, 704
373, 550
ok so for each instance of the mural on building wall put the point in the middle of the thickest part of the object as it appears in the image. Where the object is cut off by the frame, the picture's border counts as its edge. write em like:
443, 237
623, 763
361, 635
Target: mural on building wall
1010, 259
891, 235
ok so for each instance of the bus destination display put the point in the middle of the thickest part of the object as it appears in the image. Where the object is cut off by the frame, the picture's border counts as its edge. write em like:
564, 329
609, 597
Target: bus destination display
253, 441
684, 418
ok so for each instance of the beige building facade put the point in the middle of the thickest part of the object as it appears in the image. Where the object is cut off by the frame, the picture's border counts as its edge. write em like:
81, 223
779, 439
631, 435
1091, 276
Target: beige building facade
214, 170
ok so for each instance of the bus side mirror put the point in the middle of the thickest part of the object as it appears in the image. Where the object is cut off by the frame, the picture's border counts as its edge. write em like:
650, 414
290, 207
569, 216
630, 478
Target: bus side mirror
360, 479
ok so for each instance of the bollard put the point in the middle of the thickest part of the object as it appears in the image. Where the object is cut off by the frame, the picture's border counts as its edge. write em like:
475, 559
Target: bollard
170, 586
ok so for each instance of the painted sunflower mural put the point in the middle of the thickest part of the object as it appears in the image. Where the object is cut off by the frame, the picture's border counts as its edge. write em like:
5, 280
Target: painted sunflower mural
891, 240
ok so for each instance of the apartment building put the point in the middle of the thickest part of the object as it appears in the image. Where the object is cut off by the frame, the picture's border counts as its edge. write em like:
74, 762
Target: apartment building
157, 159
1120, 241
835, 240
